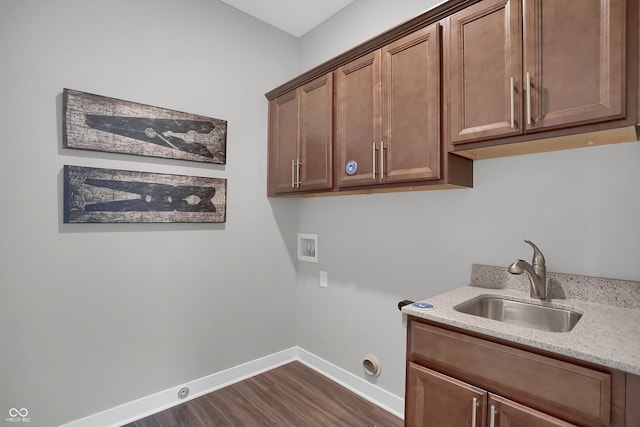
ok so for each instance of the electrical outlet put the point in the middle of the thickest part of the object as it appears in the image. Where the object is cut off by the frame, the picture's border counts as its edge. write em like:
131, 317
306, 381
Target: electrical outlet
323, 279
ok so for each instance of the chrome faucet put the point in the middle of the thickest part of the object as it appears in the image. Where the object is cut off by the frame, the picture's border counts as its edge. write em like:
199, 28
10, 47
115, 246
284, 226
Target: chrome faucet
536, 271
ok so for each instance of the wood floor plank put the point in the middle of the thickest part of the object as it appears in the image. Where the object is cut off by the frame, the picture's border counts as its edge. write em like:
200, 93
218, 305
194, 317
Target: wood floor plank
292, 395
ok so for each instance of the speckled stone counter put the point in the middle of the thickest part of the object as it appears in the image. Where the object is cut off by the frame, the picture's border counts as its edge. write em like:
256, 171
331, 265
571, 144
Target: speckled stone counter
607, 334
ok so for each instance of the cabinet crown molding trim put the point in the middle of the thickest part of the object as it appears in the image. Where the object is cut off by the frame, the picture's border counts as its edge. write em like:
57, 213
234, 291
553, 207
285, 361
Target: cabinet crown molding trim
427, 18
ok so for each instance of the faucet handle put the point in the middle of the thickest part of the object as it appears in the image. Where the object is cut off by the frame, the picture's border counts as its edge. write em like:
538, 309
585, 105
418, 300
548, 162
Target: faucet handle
538, 258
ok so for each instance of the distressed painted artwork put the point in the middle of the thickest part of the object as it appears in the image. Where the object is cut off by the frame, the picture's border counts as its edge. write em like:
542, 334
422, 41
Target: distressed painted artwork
98, 123
99, 195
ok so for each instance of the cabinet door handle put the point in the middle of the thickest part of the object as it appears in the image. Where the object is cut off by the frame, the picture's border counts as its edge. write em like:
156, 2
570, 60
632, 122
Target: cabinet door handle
528, 98
492, 418
513, 103
381, 161
374, 160
298, 182
473, 412
293, 173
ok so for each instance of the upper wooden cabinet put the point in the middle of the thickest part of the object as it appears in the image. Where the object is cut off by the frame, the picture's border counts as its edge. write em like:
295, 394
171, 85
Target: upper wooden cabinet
485, 61
358, 120
316, 135
574, 59
469, 79
284, 135
388, 113
411, 107
300, 138
522, 66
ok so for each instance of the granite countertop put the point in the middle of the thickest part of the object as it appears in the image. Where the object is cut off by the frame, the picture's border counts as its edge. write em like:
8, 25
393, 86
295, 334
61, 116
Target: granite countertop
608, 333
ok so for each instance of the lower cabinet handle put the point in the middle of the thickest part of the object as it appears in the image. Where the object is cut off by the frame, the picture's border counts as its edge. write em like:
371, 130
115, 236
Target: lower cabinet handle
492, 422
474, 411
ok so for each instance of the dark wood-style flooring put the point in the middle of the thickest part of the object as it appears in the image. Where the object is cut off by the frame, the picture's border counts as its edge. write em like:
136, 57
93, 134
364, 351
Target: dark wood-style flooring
291, 395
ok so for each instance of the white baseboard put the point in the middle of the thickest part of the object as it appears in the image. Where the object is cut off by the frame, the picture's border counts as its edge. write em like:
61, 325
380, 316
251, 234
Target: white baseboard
371, 392
168, 398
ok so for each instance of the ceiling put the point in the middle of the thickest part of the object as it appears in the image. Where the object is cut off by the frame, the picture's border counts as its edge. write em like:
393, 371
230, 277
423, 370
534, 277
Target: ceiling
296, 17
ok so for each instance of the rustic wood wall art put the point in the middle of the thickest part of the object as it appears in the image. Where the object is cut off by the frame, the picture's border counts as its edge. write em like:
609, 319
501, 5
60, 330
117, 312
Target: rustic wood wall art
116, 196
98, 123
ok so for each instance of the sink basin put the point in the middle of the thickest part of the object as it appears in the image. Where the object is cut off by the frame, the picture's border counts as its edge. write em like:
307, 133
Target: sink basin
535, 316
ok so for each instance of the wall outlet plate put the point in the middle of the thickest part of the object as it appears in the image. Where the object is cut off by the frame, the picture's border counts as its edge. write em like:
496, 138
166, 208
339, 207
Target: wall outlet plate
323, 279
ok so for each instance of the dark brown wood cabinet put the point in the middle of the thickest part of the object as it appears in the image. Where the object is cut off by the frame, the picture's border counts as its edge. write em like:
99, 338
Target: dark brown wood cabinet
411, 107
316, 135
300, 138
469, 79
388, 113
506, 413
358, 120
453, 373
440, 400
284, 133
523, 66
485, 62
574, 62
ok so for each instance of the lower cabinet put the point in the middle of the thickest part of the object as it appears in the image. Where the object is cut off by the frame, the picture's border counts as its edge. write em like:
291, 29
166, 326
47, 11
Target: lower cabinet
505, 413
434, 399
457, 378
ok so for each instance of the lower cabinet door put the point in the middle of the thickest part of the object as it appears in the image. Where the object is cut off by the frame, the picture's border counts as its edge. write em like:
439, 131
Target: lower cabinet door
505, 413
434, 399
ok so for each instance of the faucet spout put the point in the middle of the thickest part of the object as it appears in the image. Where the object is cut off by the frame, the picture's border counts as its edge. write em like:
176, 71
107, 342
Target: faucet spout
538, 258
536, 271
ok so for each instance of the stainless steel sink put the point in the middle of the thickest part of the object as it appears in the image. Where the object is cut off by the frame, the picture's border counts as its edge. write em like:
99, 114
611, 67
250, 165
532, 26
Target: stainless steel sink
535, 316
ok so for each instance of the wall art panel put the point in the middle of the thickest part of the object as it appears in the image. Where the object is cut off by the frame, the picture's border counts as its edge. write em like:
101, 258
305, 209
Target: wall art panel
99, 195
98, 123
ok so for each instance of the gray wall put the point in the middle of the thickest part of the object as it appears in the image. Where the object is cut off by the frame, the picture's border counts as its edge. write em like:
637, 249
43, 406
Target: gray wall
580, 206
92, 316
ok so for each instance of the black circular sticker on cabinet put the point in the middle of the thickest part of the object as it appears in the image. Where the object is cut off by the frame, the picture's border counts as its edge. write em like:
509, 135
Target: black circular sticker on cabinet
352, 167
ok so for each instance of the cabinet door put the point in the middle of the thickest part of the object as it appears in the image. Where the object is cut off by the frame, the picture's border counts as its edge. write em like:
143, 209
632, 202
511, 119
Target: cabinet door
506, 413
283, 142
358, 120
485, 68
411, 107
434, 399
574, 56
316, 129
